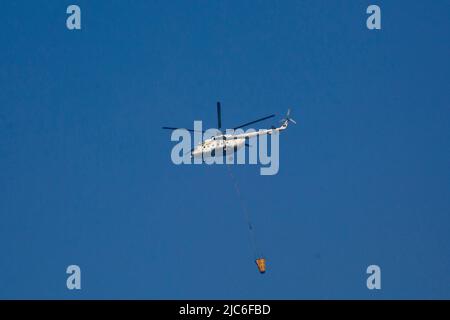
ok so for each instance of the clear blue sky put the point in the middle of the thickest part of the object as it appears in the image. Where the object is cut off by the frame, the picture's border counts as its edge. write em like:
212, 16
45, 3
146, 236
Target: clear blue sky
85, 170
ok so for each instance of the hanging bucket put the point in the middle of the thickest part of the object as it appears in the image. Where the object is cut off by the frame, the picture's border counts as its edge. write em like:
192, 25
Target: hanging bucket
261, 263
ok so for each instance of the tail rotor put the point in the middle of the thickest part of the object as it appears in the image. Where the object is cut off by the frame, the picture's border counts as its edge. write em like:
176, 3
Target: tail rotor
288, 118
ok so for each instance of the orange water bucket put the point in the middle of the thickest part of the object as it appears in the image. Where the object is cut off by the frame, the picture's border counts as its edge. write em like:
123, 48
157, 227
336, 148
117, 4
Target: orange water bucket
261, 263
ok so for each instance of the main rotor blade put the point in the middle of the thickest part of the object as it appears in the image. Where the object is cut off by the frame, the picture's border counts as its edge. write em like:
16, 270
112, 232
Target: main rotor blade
191, 130
252, 122
219, 116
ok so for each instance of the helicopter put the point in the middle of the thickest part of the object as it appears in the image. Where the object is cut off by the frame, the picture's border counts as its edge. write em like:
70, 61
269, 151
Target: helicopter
225, 142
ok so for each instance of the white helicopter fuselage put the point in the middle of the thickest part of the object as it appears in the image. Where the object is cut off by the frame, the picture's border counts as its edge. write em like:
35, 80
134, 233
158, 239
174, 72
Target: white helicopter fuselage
225, 144
211, 147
